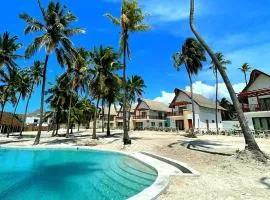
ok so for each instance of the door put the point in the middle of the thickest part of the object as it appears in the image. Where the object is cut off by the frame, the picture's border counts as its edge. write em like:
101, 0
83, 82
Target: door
207, 125
190, 123
179, 125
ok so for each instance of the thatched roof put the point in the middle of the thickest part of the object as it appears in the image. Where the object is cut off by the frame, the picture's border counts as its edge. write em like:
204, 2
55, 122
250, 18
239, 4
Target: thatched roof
7, 120
155, 105
199, 99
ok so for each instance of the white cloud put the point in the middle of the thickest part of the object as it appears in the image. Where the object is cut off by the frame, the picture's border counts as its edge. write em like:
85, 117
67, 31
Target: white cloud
165, 97
206, 90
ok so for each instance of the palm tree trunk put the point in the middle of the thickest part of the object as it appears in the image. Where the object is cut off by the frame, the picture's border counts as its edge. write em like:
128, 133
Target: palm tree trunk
126, 138
245, 77
13, 115
69, 115
192, 100
94, 136
103, 117
2, 111
37, 139
108, 124
216, 73
251, 144
26, 108
79, 124
54, 121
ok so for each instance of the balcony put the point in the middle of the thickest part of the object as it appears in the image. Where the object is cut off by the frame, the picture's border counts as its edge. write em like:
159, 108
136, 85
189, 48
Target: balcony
150, 117
255, 107
177, 113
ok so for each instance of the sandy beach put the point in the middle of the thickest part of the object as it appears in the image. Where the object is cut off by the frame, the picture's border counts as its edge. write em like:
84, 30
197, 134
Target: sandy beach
222, 176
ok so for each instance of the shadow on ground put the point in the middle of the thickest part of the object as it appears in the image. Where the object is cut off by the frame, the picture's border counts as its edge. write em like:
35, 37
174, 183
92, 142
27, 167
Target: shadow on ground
203, 146
265, 181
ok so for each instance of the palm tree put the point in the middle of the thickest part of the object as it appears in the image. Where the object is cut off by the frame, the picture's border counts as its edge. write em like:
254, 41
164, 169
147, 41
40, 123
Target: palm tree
23, 84
8, 49
130, 21
55, 32
229, 113
135, 86
78, 74
35, 73
213, 67
245, 68
191, 56
251, 144
105, 62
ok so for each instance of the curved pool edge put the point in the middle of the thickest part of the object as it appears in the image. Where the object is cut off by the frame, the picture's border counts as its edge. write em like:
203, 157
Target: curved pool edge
164, 170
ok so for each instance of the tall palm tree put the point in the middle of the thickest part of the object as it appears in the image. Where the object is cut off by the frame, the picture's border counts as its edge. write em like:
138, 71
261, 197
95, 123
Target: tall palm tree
35, 73
105, 62
55, 30
78, 74
191, 56
213, 67
251, 144
23, 84
135, 87
130, 21
245, 68
8, 48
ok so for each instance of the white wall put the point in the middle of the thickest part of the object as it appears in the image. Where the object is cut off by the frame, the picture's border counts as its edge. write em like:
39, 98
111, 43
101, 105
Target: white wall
228, 125
261, 82
184, 97
210, 115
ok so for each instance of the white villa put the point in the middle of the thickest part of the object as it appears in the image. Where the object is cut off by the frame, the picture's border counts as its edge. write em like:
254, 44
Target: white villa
181, 112
33, 119
150, 114
255, 99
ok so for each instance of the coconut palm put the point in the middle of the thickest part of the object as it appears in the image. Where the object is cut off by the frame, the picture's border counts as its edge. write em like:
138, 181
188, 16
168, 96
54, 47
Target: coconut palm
245, 68
35, 73
135, 87
251, 144
78, 74
191, 56
22, 87
8, 48
55, 32
130, 21
213, 67
105, 62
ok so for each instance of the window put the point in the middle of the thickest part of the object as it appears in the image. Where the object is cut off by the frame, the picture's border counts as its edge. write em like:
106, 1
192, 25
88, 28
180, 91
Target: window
160, 124
213, 121
35, 120
153, 124
261, 123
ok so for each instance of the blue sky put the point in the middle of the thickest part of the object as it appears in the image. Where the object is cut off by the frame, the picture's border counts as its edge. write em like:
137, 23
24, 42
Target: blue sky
239, 29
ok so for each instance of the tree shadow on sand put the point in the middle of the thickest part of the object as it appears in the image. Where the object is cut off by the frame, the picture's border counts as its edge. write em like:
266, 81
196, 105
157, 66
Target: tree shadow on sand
203, 146
265, 181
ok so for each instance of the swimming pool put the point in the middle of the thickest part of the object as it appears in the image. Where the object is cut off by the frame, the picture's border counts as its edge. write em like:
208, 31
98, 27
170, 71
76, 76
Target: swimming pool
71, 174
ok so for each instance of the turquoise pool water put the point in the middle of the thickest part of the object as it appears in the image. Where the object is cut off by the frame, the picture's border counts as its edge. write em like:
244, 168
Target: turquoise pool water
71, 174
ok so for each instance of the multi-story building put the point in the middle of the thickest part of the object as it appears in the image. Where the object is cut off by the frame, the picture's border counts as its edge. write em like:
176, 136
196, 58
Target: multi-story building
150, 114
181, 116
119, 117
255, 100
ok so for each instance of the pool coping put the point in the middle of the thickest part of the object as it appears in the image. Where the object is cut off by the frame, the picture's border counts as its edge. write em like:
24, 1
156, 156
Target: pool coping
164, 170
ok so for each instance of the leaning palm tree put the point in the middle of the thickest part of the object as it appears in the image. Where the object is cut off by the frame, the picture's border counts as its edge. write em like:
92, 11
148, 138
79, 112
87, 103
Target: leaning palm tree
23, 84
213, 67
8, 48
135, 87
35, 73
191, 56
55, 30
245, 68
251, 144
130, 21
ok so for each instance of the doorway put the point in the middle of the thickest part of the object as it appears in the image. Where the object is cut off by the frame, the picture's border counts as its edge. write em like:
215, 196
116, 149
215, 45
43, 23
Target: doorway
179, 125
190, 124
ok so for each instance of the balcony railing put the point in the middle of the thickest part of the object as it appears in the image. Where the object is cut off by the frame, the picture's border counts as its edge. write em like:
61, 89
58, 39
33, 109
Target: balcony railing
178, 113
150, 117
255, 107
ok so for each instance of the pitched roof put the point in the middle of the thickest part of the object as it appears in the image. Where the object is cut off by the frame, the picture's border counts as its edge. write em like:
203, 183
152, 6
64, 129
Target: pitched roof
155, 105
199, 99
253, 76
113, 111
7, 119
